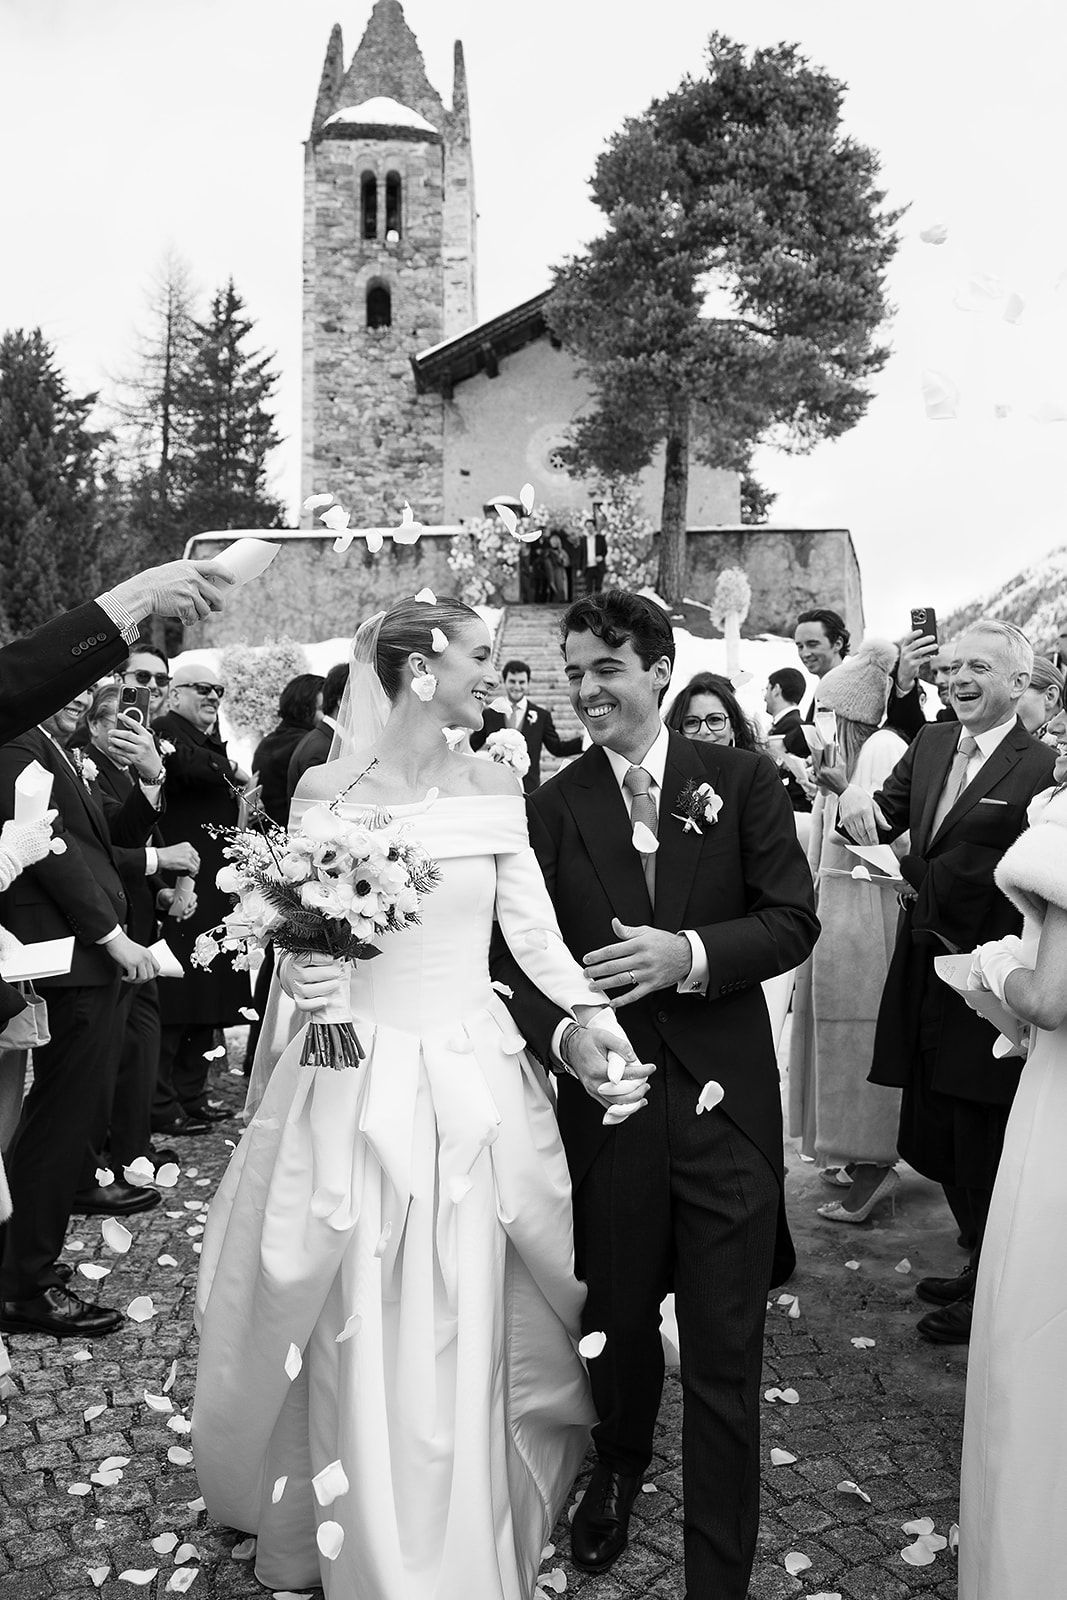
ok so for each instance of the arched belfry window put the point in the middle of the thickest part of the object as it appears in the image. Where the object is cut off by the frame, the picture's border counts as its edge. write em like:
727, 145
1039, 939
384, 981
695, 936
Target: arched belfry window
379, 305
392, 206
368, 199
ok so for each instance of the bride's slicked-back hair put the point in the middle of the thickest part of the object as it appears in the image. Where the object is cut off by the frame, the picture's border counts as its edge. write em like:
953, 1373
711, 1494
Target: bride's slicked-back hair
406, 627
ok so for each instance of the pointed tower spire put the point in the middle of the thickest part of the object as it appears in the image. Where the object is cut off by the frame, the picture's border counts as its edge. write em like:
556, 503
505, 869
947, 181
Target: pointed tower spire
388, 61
333, 68
460, 108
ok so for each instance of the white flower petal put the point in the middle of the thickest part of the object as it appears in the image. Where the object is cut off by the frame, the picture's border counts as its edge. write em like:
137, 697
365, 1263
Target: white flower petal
329, 1536
279, 1488
166, 1261
796, 1562
649, 1488
115, 1236
164, 1543
216, 1054
506, 515
527, 497
188, 1552
249, 1013
107, 1478
139, 1172
196, 1506
919, 1526
375, 540
111, 1463
168, 1175
941, 397
293, 1363
244, 1550
861, 874
936, 233
179, 1424
314, 501
917, 1554
79, 1489
426, 597
182, 1581
158, 1402
330, 1483
141, 1576
853, 1266
92, 1412
794, 1309
782, 1458
75, 1244
179, 1455
954, 1537
644, 840
342, 542
168, 1382
141, 1309
591, 1345
82, 1355
509, 994
98, 1575
861, 1342
454, 737
438, 640
554, 1581
848, 1487
903, 1266
336, 519
105, 1177
93, 1270
710, 1096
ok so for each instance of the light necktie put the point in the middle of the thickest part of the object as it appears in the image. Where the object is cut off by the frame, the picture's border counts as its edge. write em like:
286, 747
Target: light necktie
955, 782
516, 716
638, 784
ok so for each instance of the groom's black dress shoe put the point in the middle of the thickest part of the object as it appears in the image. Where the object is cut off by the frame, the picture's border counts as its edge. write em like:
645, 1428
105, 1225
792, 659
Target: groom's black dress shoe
117, 1200
57, 1310
602, 1522
945, 1291
950, 1325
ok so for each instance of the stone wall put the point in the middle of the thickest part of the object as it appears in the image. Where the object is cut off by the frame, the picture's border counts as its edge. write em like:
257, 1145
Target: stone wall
790, 570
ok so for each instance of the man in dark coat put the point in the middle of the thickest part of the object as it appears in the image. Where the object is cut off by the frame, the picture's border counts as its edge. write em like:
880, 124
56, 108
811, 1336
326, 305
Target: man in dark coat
203, 786
532, 721
78, 892
681, 936
962, 790
314, 748
782, 699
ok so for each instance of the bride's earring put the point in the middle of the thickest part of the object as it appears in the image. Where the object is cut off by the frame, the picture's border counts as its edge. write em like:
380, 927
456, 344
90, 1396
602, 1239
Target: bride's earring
424, 684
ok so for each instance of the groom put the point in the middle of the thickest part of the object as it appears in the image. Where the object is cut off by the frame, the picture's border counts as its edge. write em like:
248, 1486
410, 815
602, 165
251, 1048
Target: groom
680, 933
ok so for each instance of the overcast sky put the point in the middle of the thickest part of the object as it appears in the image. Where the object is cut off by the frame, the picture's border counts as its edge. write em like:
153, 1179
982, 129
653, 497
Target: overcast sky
132, 127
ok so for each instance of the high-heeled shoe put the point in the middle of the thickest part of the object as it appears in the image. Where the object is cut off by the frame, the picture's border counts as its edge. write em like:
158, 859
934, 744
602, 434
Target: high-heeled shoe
833, 1211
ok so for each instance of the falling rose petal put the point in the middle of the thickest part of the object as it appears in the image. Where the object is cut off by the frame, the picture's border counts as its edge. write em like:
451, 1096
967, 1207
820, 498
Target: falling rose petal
438, 640
509, 994
918, 1554
142, 1576
330, 1483
293, 1363
93, 1270
342, 542
903, 1266
166, 1261
526, 533
168, 1383
191, 1172
920, 1526
172, 1214
350, 1329
941, 397
168, 1175
506, 515
336, 519
861, 1342
139, 1172
329, 1537
164, 1543
290, 1594
188, 1552
158, 1402
853, 1266
794, 1309
848, 1487
98, 1575
644, 840
782, 1458
314, 501
182, 1581
409, 530
105, 1177
179, 1424
591, 1345
710, 1096
426, 597
861, 874
91, 1413
936, 233
115, 1236
527, 497
216, 1054
179, 1456
375, 540
196, 1506
796, 1562
244, 1551
79, 1489
454, 737
279, 1489
249, 1013
141, 1309
458, 1188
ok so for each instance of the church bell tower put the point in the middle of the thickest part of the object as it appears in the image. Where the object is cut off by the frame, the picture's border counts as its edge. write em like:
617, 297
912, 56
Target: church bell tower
389, 270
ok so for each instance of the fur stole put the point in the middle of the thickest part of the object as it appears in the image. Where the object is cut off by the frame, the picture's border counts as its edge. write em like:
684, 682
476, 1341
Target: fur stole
1033, 871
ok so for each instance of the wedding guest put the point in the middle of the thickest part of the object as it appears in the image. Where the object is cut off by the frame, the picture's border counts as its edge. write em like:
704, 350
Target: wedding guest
941, 666
534, 722
79, 891
708, 710
962, 791
1012, 1540
1042, 697
45, 671
557, 569
841, 1120
314, 748
203, 787
822, 640
146, 667
299, 709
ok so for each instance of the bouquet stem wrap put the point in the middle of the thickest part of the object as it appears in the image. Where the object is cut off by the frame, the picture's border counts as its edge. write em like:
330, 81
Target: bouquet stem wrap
331, 1040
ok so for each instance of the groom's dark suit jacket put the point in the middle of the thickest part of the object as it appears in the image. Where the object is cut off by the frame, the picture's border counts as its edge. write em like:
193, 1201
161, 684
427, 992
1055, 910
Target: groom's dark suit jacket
742, 884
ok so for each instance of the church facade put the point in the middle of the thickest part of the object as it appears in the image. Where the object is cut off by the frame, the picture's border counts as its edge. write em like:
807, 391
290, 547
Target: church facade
406, 395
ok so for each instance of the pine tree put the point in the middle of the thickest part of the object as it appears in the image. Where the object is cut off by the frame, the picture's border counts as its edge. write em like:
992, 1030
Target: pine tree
49, 533
220, 476
738, 193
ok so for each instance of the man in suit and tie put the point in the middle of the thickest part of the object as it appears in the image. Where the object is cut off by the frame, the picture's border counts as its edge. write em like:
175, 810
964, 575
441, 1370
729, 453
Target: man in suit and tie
962, 790
532, 721
680, 903
782, 698
78, 892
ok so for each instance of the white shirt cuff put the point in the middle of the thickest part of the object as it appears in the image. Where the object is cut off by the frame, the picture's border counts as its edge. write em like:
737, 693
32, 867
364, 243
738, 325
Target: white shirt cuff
151, 861
151, 792
696, 981
109, 938
128, 625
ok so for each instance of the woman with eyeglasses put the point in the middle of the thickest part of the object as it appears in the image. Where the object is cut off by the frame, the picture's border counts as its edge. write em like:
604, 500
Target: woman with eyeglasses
707, 709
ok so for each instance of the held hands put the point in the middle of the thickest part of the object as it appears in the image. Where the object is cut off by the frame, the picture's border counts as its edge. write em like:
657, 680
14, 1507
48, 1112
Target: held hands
915, 648
311, 982
188, 590
131, 743
593, 1054
647, 958
136, 960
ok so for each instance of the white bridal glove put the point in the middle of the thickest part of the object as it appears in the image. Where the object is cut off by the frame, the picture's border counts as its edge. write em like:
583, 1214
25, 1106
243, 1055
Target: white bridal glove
992, 964
23, 843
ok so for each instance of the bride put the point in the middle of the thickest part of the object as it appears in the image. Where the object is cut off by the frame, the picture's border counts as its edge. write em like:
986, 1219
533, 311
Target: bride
1011, 1494
389, 1392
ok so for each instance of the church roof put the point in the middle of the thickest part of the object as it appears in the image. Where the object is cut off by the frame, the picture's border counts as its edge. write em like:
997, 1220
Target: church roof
479, 349
382, 111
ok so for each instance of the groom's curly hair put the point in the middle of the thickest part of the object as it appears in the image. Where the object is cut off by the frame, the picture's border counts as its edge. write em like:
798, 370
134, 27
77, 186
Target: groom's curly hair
616, 615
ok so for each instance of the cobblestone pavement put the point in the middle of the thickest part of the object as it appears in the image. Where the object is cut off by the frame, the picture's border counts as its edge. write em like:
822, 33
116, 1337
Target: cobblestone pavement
886, 1417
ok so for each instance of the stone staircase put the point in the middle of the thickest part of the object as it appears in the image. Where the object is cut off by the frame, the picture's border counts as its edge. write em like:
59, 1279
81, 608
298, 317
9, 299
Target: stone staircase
531, 634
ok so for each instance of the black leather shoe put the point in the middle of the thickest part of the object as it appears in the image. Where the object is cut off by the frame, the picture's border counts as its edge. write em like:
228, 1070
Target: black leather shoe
182, 1127
63, 1271
950, 1325
204, 1111
945, 1291
59, 1311
601, 1524
117, 1200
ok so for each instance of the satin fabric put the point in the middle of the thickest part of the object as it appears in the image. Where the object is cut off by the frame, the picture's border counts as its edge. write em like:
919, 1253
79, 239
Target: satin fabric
405, 1226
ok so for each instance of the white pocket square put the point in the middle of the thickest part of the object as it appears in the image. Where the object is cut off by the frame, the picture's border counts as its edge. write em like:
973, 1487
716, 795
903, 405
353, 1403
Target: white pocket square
986, 802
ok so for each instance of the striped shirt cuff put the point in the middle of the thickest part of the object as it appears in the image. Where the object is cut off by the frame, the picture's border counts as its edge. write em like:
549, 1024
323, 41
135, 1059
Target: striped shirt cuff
128, 625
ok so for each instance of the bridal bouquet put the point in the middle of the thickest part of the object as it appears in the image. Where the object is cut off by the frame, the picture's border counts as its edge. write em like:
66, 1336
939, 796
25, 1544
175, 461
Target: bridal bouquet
329, 891
508, 747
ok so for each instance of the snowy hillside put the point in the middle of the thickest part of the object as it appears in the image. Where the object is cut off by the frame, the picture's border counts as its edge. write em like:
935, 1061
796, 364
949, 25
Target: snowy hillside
1035, 600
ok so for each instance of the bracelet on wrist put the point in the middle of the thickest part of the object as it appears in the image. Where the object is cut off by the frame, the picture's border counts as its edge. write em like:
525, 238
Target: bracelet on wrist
565, 1038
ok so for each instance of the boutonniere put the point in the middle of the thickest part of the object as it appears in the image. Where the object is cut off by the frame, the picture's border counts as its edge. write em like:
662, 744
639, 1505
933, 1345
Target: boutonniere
531, 717
165, 747
89, 770
697, 806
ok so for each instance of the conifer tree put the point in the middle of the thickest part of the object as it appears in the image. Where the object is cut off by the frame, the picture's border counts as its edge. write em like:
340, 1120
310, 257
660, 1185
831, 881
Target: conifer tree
49, 534
736, 293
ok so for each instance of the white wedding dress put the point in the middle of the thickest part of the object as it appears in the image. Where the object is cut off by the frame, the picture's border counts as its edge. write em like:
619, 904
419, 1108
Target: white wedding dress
406, 1228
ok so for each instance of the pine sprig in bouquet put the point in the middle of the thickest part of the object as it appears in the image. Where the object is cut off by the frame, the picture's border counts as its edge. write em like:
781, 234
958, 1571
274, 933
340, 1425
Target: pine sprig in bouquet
329, 891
